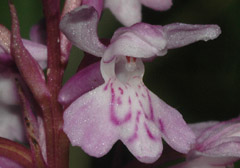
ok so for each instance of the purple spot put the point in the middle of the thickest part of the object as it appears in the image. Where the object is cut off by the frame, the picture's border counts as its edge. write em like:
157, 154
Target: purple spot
105, 88
143, 95
136, 94
150, 135
138, 116
135, 135
119, 101
139, 86
121, 90
129, 100
150, 105
141, 105
161, 125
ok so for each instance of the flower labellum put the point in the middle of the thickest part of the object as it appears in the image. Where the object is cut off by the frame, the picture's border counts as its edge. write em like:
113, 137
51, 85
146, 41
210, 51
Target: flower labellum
123, 108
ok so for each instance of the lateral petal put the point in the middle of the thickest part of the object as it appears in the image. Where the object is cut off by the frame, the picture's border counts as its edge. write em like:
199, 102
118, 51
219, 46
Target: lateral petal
174, 129
180, 34
87, 123
80, 27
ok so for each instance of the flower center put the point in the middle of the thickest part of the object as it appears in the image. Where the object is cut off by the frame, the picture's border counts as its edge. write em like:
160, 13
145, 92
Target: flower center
131, 64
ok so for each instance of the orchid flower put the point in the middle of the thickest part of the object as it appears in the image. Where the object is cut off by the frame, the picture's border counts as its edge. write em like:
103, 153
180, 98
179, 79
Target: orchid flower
9, 100
217, 145
121, 9
123, 108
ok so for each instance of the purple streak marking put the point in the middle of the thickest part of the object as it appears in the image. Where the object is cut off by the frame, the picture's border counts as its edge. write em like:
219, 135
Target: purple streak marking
150, 135
143, 95
161, 125
136, 94
121, 90
129, 100
140, 103
135, 135
119, 101
106, 86
114, 118
150, 105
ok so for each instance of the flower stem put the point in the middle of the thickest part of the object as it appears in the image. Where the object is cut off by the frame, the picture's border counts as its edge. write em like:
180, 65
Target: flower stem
60, 151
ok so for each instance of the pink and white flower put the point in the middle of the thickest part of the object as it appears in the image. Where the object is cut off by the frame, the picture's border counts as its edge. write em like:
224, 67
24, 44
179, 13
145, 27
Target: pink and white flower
217, 145
123, 108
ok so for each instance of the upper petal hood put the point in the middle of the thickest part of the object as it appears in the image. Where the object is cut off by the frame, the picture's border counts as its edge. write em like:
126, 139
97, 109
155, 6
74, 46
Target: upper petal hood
80, 27
144, 40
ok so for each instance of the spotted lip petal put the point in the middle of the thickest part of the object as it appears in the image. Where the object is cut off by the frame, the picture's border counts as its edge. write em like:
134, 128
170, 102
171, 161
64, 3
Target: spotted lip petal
123, 108
113, 111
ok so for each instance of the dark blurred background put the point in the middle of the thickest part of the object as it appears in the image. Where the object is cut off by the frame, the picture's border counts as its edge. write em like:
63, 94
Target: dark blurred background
201, 80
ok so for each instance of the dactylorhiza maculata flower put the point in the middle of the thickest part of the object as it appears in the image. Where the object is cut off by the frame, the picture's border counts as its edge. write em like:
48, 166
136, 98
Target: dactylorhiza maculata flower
123, 108
217, 145
11, 126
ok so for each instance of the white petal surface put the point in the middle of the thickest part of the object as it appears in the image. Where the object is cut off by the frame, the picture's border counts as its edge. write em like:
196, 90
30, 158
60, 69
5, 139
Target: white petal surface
128, 12
8, 90
11, 125
86, 123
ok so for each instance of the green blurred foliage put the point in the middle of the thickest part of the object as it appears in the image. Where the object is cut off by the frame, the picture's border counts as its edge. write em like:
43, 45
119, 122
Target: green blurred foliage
201, 80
